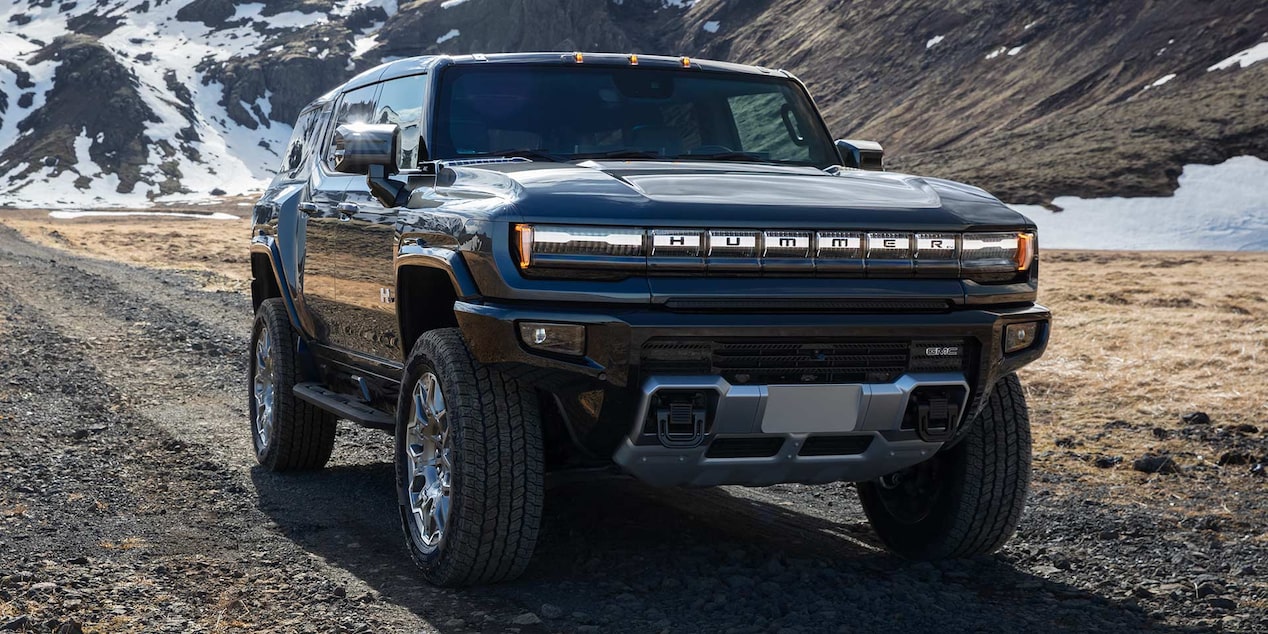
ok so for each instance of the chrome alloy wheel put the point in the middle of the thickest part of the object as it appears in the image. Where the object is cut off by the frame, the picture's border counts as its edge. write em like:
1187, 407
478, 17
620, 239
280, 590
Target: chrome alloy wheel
264, 389
428, 462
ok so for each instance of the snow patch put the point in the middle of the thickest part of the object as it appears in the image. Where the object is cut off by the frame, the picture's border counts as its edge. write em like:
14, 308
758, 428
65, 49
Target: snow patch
1162, 80
389, 7
933, 41
1029, 26
996, 53
712, 26
16, 50
448, 36
449, 4
70, 215
1256, 53
1216, 207
249, 11
362, 45
1015, 50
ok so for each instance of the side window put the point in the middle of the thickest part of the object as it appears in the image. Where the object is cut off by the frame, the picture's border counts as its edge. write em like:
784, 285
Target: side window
401, 102
354, 107
768, 127
295, 158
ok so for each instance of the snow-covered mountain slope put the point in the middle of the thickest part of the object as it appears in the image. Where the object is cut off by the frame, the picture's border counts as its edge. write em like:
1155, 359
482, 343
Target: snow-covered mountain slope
1220, 207
126, 102
115, 104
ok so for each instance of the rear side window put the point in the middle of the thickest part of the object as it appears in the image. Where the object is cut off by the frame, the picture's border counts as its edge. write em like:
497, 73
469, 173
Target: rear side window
401, 102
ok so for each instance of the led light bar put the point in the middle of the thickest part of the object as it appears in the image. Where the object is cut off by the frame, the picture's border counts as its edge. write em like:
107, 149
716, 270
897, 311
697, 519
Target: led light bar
994, 256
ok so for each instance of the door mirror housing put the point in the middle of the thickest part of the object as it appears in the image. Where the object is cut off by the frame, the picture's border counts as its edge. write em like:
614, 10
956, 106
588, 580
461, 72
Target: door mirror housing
865, 155
371, 149
360, 145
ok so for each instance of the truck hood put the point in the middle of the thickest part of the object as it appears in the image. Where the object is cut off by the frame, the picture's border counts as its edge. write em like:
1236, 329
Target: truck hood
716, 194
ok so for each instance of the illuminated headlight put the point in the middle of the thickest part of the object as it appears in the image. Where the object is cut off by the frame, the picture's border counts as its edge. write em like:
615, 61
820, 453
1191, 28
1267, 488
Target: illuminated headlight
1020, 336
612, 252
569, 339
997, 252
543, 245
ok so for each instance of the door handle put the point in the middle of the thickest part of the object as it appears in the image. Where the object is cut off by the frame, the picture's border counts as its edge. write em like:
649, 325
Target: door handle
346, 210
307, 209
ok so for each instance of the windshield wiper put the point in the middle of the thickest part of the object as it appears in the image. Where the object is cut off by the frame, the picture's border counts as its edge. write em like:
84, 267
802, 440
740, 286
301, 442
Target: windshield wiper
750, 157
619, 154
528, 153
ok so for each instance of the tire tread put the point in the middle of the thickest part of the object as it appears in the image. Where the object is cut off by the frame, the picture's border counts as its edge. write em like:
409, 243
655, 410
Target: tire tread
499, 487
303, 433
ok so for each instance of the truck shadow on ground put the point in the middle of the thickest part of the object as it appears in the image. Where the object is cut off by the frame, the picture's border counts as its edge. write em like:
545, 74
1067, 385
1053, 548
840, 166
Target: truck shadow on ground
615, 555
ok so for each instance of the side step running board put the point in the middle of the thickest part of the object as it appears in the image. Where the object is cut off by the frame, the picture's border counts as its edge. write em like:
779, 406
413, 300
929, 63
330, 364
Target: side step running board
344, 406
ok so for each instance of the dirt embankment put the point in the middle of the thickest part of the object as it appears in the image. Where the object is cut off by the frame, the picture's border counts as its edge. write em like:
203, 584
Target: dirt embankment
129, 500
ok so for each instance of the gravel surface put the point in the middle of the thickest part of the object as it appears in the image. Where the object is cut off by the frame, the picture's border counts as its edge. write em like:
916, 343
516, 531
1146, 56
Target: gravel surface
130, 501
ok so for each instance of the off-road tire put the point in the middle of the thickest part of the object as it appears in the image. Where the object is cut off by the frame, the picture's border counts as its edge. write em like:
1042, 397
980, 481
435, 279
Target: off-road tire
496, 477
981, 491
303, 434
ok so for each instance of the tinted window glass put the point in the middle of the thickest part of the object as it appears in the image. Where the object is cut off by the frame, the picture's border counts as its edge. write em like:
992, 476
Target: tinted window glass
579, 111
767, 125
355, 107
297, 151
401, 102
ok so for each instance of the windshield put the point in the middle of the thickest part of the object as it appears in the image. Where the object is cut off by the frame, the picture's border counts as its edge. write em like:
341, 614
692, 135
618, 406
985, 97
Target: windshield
579, 112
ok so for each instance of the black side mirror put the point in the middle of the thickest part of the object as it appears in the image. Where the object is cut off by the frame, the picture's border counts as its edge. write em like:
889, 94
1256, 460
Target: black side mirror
864, 155
371, 149
360, 145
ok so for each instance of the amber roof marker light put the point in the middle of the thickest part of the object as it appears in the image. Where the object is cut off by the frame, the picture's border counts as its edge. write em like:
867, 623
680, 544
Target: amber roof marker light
578, 57
633, 60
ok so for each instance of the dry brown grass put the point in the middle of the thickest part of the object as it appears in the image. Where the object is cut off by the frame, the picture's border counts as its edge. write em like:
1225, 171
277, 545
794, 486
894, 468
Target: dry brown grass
1146, 337
216, 246
1139, 339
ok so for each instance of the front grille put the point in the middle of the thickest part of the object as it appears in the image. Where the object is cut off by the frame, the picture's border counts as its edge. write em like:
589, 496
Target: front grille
785, 361
800, 305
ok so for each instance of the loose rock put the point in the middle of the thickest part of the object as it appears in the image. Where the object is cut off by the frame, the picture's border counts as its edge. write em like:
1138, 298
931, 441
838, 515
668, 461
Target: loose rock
1196, 418
1221, 603
1150, 463
527, 618
1235, 458
1106, 462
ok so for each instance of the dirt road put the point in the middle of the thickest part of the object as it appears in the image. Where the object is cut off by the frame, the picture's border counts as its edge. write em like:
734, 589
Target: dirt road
129, 501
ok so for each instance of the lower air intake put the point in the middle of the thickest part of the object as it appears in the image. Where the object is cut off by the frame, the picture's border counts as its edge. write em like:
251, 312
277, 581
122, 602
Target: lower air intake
835, 445
744, 447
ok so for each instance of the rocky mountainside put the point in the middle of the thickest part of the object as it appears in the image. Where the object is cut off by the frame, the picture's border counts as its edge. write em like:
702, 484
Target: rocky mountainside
126, 101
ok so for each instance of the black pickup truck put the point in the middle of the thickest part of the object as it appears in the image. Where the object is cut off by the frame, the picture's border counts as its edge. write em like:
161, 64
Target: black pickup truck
531, 263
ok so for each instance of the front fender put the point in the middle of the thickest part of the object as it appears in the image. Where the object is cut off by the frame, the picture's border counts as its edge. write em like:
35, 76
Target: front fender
412, 253
267, 245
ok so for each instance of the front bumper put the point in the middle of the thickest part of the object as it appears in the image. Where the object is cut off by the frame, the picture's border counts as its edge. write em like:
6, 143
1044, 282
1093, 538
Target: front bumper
768, 434
878, 441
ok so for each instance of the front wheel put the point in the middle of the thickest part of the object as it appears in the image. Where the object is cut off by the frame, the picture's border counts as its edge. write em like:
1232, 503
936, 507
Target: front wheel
469, 465
964, 501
